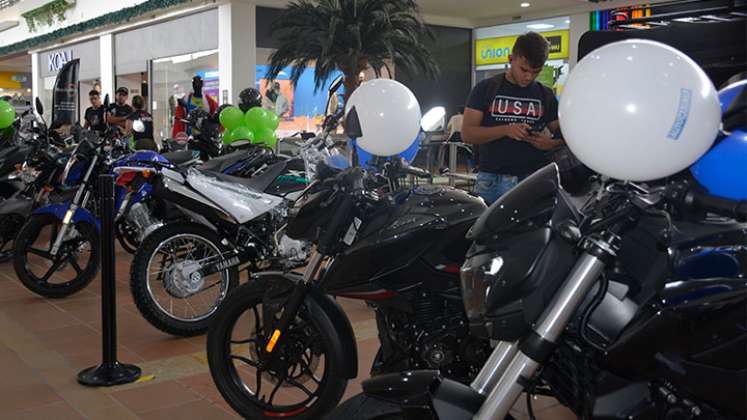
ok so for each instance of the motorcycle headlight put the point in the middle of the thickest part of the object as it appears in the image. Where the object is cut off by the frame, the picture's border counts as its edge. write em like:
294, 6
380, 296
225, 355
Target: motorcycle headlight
477, 275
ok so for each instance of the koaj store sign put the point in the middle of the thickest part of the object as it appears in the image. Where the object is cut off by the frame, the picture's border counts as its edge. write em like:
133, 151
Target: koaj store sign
57, 59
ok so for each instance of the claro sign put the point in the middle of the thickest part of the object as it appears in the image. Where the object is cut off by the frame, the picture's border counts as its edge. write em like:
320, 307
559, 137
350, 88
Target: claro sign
496, 50
57, 59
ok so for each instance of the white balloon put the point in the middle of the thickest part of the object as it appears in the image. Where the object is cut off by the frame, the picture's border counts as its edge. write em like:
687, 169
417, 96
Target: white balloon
638, 110
389, 115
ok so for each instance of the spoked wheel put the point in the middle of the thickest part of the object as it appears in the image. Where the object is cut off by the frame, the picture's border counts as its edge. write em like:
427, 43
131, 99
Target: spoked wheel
166, 280
9, 226
127, 237
60, 275
301, 379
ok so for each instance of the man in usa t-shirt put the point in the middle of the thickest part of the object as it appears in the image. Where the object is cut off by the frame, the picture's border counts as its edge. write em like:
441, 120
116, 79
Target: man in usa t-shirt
510, 116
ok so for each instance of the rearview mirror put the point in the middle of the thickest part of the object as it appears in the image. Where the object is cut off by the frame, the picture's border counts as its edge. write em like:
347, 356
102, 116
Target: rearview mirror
433, 120
138, 126
353, 124
39, 106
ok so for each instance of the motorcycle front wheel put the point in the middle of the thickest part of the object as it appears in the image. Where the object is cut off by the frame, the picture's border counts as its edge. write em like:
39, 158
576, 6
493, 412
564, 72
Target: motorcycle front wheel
56, 276
166, 283
302, 380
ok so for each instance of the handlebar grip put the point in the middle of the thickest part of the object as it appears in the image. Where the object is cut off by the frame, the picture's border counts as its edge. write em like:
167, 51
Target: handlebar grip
729, 208
420, 173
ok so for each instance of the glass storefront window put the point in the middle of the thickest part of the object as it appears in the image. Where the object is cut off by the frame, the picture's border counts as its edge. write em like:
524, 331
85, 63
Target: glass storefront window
171, 80
300, 108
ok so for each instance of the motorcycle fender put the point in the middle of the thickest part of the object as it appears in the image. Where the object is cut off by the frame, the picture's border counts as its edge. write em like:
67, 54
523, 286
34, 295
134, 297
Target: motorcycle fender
321, 306
423, 393
18, 204
59, 210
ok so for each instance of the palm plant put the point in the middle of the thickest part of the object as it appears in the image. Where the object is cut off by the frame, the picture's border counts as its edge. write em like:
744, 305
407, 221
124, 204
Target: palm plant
350, 35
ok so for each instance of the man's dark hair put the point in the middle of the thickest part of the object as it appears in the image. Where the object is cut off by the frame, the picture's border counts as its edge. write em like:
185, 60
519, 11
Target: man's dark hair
138, 102
94, 92
532, 46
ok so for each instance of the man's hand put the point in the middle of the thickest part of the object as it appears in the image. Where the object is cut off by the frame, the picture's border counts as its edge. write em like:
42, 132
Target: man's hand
518, 131
543, 142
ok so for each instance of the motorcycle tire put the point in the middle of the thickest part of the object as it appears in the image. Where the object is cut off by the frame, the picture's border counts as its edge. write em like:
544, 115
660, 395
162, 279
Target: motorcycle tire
321, 338
126, 238
363, 407
25, 240
143, 294
10, 224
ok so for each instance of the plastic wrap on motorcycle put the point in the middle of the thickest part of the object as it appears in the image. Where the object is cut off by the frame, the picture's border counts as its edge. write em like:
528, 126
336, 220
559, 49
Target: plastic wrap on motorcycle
243, 203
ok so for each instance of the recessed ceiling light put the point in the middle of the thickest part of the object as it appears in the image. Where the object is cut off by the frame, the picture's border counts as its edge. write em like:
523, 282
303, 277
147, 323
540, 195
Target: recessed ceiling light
540, 26
525, 4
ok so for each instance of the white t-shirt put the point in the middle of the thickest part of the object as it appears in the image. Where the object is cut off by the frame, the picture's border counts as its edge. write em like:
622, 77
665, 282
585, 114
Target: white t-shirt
454, 125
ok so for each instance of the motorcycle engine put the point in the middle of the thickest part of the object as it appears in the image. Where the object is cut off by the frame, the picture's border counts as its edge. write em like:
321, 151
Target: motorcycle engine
140, 218
436, 336
292, 250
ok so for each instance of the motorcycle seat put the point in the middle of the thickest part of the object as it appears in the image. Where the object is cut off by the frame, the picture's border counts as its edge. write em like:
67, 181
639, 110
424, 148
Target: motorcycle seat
179, 157
258, 183
254, 157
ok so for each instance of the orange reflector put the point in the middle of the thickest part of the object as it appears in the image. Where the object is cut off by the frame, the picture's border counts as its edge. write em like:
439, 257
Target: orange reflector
274, 340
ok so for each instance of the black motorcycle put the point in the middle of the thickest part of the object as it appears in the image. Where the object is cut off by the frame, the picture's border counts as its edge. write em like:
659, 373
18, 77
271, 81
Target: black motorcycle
280, 346
30, 165
632, 309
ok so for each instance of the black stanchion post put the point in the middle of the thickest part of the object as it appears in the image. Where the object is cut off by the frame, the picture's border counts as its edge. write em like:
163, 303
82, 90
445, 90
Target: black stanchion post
110, 371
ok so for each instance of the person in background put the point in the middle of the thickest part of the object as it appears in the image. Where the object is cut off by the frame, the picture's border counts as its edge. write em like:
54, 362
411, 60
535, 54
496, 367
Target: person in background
249, 98
95, 116
141, 140
454, 127
196, 99
506, 116
119, 110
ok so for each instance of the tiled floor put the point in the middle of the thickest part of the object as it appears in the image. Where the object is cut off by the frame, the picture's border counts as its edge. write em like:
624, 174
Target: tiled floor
45, 343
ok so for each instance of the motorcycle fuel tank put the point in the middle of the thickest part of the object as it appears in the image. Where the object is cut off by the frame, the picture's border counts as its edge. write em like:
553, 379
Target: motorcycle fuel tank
426, 221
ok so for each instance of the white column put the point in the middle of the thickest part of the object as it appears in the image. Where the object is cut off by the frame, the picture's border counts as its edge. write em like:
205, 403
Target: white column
37, 84
106, 54
579, 25
237, 48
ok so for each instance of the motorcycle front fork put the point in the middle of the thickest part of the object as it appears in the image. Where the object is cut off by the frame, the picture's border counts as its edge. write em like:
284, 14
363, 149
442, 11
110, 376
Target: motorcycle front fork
513, 364
66, 221
294, 302
74, 207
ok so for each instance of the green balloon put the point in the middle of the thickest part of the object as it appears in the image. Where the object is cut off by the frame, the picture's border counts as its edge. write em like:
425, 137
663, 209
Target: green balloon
255, 118
231, 118
242, 133
7, 114
273, 121
227, 137
266, 136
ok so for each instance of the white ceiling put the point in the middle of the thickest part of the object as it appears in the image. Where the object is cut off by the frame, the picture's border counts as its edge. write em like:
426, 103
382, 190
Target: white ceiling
477, 13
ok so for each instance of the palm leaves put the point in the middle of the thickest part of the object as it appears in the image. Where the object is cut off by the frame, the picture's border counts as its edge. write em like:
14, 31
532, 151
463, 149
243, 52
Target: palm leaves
350, 35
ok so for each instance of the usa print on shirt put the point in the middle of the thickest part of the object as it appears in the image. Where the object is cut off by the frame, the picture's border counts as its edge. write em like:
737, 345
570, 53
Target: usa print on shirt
509, 109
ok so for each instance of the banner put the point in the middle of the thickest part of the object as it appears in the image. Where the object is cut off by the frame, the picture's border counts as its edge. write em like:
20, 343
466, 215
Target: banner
496, 50
65, 95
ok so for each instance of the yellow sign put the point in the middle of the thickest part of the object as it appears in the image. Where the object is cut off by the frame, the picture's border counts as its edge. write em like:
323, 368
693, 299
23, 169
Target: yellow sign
497, 50
7, 80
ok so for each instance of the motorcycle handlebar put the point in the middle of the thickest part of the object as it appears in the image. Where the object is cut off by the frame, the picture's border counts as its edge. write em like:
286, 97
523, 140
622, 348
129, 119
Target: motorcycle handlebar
729, 208
420, 173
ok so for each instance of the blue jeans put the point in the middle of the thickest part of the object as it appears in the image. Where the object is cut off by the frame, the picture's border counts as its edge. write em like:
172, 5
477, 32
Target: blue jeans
491, 186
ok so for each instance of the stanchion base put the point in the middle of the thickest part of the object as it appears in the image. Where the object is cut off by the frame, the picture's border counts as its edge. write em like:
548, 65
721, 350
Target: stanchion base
109, 374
